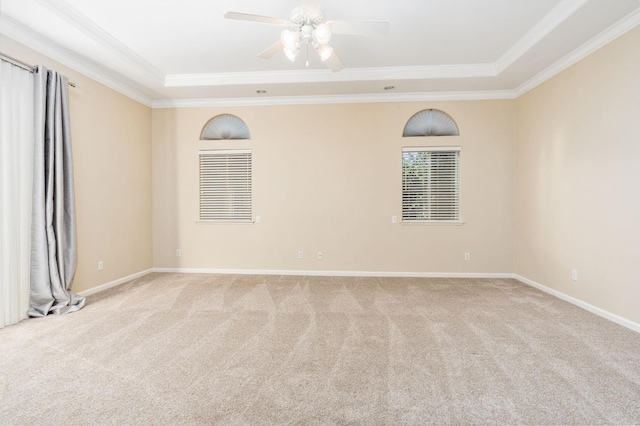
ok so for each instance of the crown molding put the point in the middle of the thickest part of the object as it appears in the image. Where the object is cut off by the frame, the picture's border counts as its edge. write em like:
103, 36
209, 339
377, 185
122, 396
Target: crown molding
48, 48
548, 23
134, 90
86, 26
336, 99
327, 76
613, 32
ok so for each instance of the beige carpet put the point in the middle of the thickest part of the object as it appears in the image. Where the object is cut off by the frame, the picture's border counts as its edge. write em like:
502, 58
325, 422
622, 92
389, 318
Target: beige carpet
203, 349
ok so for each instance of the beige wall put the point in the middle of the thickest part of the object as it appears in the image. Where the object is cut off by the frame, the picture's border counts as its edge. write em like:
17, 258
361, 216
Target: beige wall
578, 180
328, 178
111, 137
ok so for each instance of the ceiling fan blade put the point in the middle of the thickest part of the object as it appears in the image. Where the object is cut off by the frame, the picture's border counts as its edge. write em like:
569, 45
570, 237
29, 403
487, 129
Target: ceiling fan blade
359, 27
310, 7
256, 18
270, 51
334, 63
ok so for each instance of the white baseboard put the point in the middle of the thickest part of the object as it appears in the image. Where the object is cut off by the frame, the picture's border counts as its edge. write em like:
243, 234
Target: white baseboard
335, 273
584, 305
114, 283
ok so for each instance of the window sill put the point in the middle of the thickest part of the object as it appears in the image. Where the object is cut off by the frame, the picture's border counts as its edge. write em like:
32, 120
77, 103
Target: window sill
432, 223
225, 222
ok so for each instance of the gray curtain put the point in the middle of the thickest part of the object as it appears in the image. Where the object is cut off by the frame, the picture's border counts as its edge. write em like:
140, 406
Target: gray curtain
53, 230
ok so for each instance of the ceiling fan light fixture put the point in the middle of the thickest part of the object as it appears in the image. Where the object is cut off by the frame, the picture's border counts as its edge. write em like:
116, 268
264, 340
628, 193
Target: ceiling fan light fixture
325, 51
322, 33
289, 38
291, 53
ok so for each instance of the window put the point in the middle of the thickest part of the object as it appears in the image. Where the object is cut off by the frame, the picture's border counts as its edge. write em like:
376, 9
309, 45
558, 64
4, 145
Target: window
225, 127
430, 184
225, 185
430, 122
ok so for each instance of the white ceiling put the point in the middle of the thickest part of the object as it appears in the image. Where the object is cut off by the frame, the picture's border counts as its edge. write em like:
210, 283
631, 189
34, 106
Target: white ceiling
183, 52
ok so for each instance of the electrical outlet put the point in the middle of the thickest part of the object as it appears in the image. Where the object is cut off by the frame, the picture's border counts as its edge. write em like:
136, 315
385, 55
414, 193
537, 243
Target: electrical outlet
467, 256
394, 219
178, 253
574, 275
100, 265
300, 254
320, 255
258, 219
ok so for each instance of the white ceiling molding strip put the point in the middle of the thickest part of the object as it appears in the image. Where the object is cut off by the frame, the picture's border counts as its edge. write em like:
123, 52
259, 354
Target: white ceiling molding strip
616, 30
48, 48
323, 76
88, 27
548, 23
336, 99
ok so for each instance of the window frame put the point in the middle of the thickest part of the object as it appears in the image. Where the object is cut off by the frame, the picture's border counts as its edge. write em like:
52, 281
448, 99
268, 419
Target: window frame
240, 205
405, 220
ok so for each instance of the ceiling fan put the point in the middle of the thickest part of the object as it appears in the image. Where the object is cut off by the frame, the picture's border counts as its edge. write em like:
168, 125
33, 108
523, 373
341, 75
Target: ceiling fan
306, 27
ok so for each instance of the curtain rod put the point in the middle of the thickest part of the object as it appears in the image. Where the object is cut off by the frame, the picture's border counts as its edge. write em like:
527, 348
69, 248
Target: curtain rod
23, 65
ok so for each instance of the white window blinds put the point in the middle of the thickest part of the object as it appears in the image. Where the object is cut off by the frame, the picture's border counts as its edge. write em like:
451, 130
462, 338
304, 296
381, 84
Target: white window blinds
430, 184
225, 185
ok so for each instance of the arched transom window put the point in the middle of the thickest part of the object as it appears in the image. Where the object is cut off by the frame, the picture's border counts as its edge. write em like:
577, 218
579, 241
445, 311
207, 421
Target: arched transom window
225, 126
431, 122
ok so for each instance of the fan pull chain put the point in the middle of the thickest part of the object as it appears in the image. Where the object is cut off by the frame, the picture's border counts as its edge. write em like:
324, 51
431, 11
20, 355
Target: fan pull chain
307, 63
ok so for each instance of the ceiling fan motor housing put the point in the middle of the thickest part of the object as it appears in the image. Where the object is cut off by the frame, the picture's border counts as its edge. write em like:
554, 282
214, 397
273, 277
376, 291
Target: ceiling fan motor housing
299, 18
